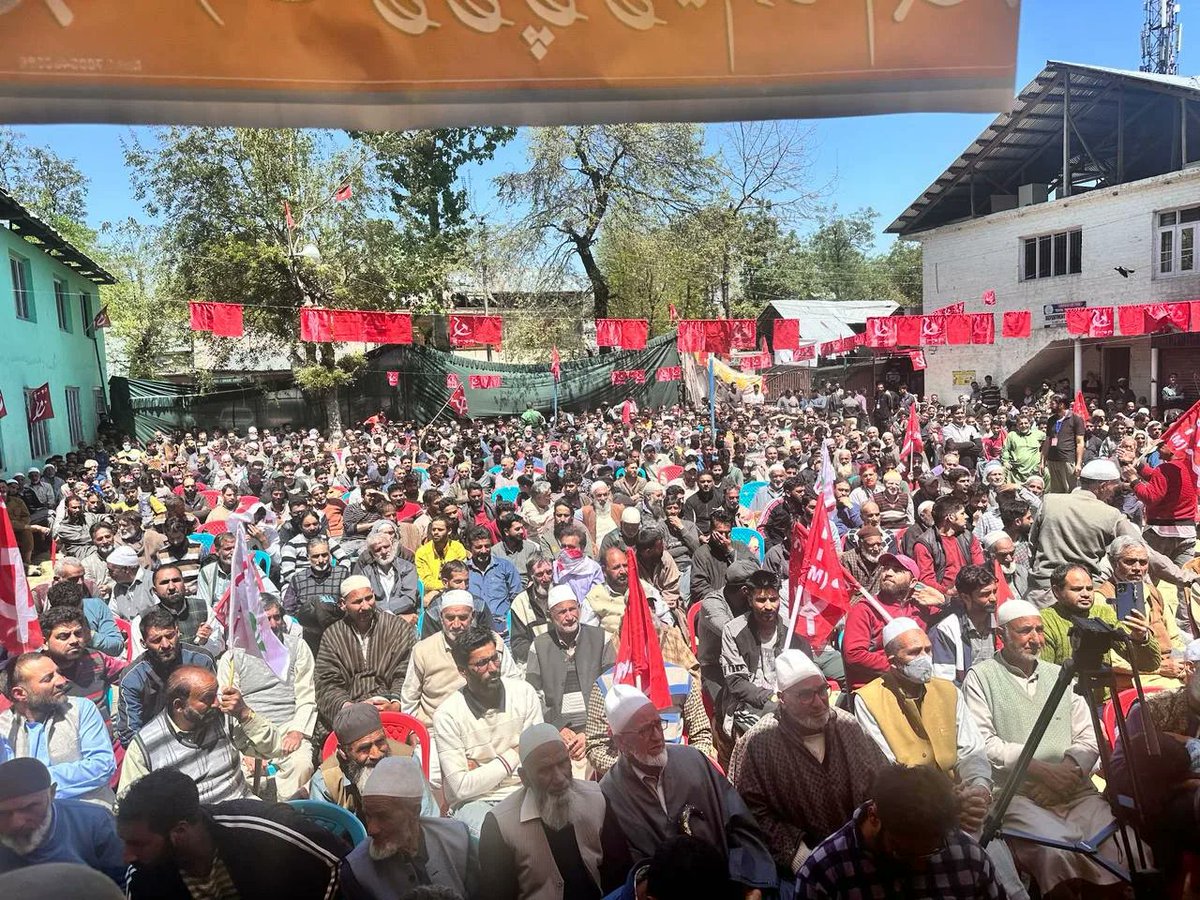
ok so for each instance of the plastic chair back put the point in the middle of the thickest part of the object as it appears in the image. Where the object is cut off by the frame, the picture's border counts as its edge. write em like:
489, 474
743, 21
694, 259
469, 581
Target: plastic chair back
126, 628
205, 540
332, 818
506, 493
693, 616
753, 539
749, 489
1108, 715
668, 474
212, 498
213, 528
494, 469
262, 559
398, 727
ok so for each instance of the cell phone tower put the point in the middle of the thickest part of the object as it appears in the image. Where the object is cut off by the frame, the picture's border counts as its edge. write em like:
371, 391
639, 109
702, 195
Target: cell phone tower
1162, 37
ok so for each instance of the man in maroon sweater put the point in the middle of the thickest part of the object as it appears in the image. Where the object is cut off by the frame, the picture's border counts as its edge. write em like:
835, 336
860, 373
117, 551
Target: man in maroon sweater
1169, 494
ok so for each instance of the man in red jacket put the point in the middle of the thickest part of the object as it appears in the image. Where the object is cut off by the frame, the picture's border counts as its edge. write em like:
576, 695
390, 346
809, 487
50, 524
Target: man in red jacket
1169, 494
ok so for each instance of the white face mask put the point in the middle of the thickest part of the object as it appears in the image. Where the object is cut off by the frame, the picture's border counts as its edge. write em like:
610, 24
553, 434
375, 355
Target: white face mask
919, 670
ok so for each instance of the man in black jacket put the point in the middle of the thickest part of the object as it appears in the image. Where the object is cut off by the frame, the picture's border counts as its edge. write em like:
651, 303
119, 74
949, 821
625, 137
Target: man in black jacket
178, 849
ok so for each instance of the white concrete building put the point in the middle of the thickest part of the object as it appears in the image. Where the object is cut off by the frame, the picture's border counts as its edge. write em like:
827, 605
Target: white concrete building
1047, 222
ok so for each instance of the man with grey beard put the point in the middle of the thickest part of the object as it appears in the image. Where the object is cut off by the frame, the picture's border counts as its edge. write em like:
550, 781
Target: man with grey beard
405, 849
658, 790
555, 836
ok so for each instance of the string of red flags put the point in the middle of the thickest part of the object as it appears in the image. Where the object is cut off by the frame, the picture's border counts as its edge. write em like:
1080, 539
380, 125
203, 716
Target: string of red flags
717, 335
220, 319
1017, 323
484, 382
628, 376
786, 334
627, 334
951, 309
474, 330
669, 373
370, 327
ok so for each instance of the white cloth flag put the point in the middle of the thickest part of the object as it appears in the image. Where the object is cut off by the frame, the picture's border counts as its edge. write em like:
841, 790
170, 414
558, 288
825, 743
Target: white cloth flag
247, 627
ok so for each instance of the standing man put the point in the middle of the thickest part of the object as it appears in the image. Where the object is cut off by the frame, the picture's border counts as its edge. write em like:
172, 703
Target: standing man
1062, 452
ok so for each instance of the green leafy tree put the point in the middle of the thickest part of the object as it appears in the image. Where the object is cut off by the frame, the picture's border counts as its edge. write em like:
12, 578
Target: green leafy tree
50, 186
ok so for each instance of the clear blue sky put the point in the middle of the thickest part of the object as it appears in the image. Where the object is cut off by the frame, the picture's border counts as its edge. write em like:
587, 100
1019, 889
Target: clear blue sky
883, 161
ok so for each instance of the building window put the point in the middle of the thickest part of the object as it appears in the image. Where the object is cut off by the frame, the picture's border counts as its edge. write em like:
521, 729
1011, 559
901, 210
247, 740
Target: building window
74, 418
39, 432
62, 303
22, 282
1177, 241
100, 404
1051, 255
85, 311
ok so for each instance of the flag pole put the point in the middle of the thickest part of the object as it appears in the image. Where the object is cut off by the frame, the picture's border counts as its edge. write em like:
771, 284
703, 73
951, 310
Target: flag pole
712, 398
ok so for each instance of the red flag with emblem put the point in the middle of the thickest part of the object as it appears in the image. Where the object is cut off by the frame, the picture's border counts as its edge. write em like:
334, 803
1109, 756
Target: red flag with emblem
912, 435
468, 331
1080, 407
101, 319
40, 407
19, 631
1184, 438
345, 192
819, 587
639, 654
458, 400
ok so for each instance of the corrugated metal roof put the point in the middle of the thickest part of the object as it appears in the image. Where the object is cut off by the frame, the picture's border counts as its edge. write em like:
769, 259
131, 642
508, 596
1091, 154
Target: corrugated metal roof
828, 320
1010, 151
45, 237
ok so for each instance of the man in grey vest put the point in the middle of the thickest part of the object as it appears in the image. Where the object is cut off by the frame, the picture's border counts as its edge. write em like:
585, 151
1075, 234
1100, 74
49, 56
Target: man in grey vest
194, 736
406, 849
290, 701
555, 837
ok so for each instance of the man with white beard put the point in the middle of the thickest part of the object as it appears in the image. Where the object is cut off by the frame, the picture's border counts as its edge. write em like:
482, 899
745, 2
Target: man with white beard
405, 849
37, 828
998, 546
657, 790
555, 837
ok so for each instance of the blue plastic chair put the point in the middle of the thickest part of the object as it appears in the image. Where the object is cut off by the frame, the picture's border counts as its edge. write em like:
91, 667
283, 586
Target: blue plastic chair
749, 489
332, 818
506, 493
494, 469
204, 540
262, 559
753, 539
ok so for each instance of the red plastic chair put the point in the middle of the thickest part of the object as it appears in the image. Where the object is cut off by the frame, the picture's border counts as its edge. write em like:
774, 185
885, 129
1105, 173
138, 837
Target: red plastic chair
126, 628
246, 501
214, 528
1108, 715
669, 473
693, 617
398, 727
212, 498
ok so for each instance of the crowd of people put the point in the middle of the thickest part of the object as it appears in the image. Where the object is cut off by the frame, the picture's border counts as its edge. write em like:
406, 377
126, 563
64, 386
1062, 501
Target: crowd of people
451, 601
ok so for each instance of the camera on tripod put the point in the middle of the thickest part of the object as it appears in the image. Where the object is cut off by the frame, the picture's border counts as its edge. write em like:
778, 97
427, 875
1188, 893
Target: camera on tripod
1091, 640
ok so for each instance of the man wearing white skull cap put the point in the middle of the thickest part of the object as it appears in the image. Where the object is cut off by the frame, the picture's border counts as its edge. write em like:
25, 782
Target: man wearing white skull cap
404, 849
1056, 799
657, 791
804, 768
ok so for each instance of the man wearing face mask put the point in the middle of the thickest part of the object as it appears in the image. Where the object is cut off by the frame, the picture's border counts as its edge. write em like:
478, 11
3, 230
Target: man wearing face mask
573, 567
919, 720
805, 767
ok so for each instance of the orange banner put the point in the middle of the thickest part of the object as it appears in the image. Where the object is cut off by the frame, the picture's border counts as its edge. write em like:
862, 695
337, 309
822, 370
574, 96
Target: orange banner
408, 63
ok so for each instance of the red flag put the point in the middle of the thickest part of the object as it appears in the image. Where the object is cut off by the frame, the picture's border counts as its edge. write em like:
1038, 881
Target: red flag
958, 328
393, 378
805, 353
820, 594
913, 444
669, 373
221, 319
933, 331
386, 328
989, 297
908, 331
1016, 323
1080, 407
452, 381
672, 313
786, 334
881, 332
1184, 438
628, 334
1090, 321
345, 192
39, 406
287, 216
19, 631
952, 309
485, 382
1132, 319
639, 655
469, 331
458, 401
917, 358
1165, 316
743, 334
555, 365
3, 408
983, 328
101, 319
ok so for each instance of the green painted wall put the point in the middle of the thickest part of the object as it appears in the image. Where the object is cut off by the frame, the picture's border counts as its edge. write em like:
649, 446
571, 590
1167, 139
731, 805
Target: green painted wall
35, 352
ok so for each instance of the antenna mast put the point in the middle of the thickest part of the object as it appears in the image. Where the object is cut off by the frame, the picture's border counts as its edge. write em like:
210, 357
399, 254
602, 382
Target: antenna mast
1162, 37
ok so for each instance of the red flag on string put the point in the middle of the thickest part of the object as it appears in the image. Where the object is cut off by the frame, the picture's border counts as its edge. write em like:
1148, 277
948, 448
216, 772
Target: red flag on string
628, 334
917, 358
1090, 321
1165, 316
386, 328
345, 192
908, 331
393, 378
555, 365
485, 382
933, 331
287, 216
669, 373
39, 406
958, 328
221, 319
952, 309
469, 331
983, 328
913, 443
881, 332
743, 334
820, 595
805, 353
639, 659
786, 334
706, 336
458, 401
1132, 319
316, 325
19, 631
1017, 323
1079, 407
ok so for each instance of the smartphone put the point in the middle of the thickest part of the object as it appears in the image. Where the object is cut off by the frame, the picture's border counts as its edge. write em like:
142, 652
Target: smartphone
1131, 595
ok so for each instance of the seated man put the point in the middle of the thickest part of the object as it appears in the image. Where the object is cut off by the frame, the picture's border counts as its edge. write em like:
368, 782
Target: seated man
554, 837
406, 848
193, 617
129, 592
178, 849
966, 633
563, 664
919, 720
89, 673
608, 600
573, 566
717, 611
944, 549
494, 580
477, 729
141, 694
750, 644
657, 790
392, 578
804, 768
194, 735
213, 580
38, 827
440, 549
530, 614
66, 734
1056, 800
105, 636
312, 593
904, 842
361, 743
363, 655
289, 702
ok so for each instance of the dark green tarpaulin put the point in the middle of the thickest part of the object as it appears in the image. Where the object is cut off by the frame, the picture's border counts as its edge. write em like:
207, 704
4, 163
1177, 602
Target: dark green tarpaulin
585, 385
140, 407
